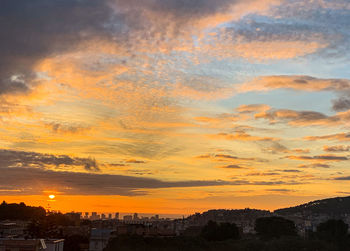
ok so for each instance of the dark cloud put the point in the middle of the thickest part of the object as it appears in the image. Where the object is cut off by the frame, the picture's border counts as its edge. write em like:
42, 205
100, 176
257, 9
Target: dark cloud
342, 178
269, 29
308, 21
9, 158
319, 157
36, 180
33, 30
289, 171
316, 165
264, 183
301, 118
134, 161
280, 190
117, 165
231, 167
340, 148
183, 9
262, 174
341, 104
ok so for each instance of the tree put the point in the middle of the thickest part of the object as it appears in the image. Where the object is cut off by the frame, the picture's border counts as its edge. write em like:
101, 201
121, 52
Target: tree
274, 227
220, 232
332, 230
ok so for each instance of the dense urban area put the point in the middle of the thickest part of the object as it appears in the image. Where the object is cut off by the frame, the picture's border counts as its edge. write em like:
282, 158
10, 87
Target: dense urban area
317, 225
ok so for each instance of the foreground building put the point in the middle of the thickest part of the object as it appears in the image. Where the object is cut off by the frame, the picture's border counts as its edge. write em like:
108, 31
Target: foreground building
7, 244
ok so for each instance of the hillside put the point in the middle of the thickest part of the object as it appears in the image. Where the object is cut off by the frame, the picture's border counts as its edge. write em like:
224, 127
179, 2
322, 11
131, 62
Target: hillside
334, 206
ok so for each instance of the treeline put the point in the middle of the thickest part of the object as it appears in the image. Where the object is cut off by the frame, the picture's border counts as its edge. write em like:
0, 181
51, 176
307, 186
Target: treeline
42, 224
272, 234
20, 212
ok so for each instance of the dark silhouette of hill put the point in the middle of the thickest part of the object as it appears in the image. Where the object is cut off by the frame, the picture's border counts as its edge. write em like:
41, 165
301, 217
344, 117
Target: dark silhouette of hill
225, 215
332, 206
20, 211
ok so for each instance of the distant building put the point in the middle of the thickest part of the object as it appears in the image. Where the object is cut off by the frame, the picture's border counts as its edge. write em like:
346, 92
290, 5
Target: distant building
136, 217
116, 216
103, 216
94, 216
109, 216
127, 218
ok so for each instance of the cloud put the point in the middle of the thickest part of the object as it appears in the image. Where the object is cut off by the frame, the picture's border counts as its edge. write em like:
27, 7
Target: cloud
303, 83
66, 128
35, 181
295, 82
294, 118
283, 190
303, 118
289, 171
342, 178
264, 183
276, 147
339, 148
336, 137
134, 161
318, 158
234, 161
242, 136
253, 108
316, 165
341, 104
231, 167
31, 31
10, 158
262, 174
202, 88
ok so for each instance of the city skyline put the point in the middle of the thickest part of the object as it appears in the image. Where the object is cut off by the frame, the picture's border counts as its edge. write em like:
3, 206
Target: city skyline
174, 107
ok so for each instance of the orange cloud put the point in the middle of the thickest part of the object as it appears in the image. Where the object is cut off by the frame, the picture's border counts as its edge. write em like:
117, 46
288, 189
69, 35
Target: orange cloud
242, 136
337, 137
339, 148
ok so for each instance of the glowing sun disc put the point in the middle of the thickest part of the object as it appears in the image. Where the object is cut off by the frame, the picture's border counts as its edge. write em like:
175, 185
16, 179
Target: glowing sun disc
51, 196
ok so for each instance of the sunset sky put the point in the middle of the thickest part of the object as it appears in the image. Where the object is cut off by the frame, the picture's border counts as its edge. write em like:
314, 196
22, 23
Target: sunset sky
174, 106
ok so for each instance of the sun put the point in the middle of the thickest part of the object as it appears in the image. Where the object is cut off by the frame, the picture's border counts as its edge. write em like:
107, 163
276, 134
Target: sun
51, 196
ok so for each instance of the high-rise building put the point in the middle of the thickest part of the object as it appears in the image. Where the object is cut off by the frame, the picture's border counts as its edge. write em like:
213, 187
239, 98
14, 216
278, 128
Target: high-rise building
136, 217
127, 218
116, 216
109, 216
94, 216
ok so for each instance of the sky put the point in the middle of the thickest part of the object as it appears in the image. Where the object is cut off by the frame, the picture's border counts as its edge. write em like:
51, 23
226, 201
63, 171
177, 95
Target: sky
174, 106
